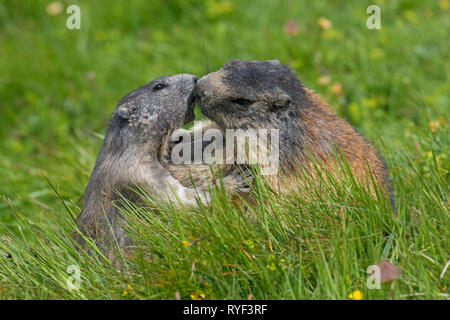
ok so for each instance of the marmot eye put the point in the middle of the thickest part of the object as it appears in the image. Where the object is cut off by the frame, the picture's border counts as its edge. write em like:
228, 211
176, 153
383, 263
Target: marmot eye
242, 102
159, 86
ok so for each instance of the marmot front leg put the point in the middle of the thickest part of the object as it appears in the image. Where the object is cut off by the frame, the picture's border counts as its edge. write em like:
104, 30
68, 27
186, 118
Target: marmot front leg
171, 189
235, 179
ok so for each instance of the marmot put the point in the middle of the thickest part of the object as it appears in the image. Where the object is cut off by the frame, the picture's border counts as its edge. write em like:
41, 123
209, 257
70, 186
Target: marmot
132, 154
267, 95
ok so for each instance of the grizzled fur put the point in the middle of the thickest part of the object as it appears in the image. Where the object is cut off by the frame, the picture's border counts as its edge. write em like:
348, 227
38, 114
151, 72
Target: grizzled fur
132, 154
266, 94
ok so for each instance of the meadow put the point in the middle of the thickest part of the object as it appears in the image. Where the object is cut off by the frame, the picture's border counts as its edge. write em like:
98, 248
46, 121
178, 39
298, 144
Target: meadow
58, 88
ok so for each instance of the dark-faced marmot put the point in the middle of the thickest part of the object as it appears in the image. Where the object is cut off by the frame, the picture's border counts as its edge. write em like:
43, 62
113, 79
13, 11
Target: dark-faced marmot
267, 95
133, 153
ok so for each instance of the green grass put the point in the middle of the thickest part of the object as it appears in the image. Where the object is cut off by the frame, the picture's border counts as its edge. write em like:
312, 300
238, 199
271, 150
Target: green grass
58, 88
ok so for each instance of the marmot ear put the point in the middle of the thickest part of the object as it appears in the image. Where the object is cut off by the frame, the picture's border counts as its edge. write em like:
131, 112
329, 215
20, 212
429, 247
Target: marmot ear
124, 111
281, 101
274, 61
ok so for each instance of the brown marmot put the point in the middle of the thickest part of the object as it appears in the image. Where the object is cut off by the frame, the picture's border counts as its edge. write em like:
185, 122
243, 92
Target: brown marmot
267, 95
133, 155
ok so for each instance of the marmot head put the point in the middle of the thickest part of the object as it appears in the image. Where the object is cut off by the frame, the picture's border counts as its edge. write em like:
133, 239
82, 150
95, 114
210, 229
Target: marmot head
250, 94
152, 112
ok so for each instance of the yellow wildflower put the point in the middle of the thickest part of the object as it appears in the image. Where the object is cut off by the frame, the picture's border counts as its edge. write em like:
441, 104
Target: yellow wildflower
356, 295
125, 292
271, 266
337, 88
370, 103
324, 80
54, 8
411, 16
249, 244
434, 125
324, 23
216, 9
197, 295
185, 243
428, 155
444, 4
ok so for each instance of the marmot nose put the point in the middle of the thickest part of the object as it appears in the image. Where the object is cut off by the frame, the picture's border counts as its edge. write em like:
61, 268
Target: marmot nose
195, 79
199, 92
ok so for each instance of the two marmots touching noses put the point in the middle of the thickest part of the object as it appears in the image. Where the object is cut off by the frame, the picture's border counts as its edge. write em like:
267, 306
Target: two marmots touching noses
242, 95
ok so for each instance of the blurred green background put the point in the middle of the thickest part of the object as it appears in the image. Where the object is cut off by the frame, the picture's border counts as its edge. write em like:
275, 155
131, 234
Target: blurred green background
58, 87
